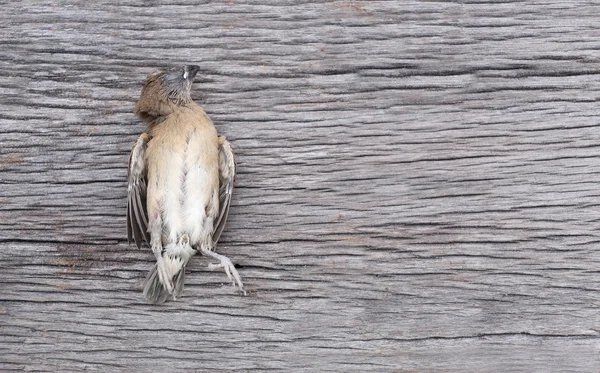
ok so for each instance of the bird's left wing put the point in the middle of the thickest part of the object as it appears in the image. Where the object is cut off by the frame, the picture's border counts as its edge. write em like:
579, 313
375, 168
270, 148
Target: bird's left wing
226, 178
137, 215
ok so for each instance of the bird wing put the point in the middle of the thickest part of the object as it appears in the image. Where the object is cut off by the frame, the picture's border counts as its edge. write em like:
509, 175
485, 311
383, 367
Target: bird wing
137, 215
226, 178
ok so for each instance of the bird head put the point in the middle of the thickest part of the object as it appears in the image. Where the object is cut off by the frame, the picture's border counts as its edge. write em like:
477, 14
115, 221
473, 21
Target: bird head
164, 91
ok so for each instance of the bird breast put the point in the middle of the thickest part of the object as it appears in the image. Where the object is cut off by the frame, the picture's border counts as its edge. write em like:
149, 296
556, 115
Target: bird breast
183, 179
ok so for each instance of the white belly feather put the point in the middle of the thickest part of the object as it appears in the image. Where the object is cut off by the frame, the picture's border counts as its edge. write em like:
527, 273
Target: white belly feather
189, 202
198, 196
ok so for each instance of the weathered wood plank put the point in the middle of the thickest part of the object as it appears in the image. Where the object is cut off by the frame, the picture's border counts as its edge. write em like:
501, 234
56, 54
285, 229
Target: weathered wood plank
417, 188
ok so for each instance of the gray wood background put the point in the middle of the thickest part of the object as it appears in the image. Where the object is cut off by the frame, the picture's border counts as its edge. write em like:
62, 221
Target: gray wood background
418, 186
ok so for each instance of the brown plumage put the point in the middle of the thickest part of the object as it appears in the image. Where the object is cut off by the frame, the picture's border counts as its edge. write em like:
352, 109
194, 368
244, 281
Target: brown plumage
180, 182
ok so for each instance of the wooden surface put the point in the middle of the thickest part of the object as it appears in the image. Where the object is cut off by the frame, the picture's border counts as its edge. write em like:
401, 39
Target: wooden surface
418, 186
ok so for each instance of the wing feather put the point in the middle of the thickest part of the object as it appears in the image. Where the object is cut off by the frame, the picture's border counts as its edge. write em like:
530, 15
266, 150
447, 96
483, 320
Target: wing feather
137, 216
226, 179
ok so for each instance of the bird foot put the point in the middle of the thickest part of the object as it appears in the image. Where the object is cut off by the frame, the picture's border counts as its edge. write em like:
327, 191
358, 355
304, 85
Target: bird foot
227, 265
161, 268
163, 275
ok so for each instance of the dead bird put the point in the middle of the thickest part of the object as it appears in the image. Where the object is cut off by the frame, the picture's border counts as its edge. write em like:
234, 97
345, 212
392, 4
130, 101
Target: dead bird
180, 182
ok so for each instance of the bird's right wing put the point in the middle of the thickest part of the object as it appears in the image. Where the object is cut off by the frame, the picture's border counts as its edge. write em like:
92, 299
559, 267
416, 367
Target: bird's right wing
137, 215
226, 178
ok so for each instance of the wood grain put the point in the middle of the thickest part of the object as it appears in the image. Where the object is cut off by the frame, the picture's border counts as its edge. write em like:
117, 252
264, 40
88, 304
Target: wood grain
417, 187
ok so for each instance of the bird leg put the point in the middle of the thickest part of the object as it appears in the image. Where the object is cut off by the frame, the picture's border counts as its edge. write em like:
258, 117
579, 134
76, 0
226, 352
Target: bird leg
161, 268
230, 271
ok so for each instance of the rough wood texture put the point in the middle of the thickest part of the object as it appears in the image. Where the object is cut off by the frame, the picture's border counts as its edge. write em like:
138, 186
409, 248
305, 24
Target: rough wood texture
418, 186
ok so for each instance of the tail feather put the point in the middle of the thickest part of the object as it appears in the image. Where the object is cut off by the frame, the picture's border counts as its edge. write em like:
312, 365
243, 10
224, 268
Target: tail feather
178, 281
175, 258
154, 291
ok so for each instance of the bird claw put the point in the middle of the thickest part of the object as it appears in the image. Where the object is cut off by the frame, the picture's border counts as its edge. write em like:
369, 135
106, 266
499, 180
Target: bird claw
164, 277
228, 267
161, 268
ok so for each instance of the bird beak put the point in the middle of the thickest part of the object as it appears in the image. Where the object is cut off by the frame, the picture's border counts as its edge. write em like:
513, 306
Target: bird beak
190, 72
